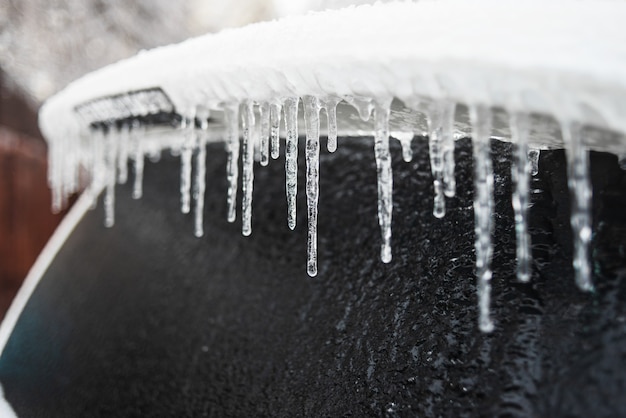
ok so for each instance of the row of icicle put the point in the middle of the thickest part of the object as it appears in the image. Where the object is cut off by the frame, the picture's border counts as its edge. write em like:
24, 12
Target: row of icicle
106, 158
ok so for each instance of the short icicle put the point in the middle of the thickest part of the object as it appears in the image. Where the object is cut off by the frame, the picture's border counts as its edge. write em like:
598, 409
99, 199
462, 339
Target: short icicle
291, 158
580, 201
122, 160
312, 120
231, 119
264, 115
248, 125
138, 160
188, 127
275, 116
54, 168
483, 210
533, 157
111, 166
89, 166
520, 174
621, 160
405, 138
384, 175
200, 181
330, 105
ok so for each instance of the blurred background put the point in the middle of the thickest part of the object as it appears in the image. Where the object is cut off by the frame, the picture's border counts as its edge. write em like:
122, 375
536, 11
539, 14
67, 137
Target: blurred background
44, 45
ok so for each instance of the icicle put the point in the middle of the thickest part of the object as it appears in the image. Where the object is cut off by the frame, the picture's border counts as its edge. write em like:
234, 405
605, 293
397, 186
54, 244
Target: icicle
65, 170
70, 168
255, 137
447, 137
138, 161
99, 163
291, 158
174, 152
483, 210
580, 201
312, 120
122, 161
621, 159
52, 164
93, 165
435, 147
264, 115
520, 174
405, 139
189, 128
248, 125
231, 119
364, 106
90, 166
275, 116
200, 183
111, 165
54, 170
385, 176
533, 157
154, 155
330, 105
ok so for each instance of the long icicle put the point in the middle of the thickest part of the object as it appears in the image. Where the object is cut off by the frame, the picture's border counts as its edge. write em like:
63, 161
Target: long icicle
483, 210
53, 173
71, 164
200, 181
264, 115
275, 116
231, 119
138, 158
98, 165
520, 174
436, 151
248, 125
291, 158
580, 198
189, 130
312, 120
111, 166
385, 176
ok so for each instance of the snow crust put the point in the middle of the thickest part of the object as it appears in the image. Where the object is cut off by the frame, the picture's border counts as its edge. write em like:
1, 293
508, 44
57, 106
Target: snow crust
563, 58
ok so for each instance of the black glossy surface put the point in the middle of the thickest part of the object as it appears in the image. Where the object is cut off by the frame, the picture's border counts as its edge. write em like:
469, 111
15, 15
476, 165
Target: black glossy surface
144, 319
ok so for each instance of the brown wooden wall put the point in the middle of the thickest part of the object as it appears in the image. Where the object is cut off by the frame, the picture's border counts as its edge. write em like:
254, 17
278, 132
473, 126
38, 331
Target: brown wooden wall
26, 221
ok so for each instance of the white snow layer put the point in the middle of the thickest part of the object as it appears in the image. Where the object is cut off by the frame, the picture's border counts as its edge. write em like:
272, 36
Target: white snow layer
563, 58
